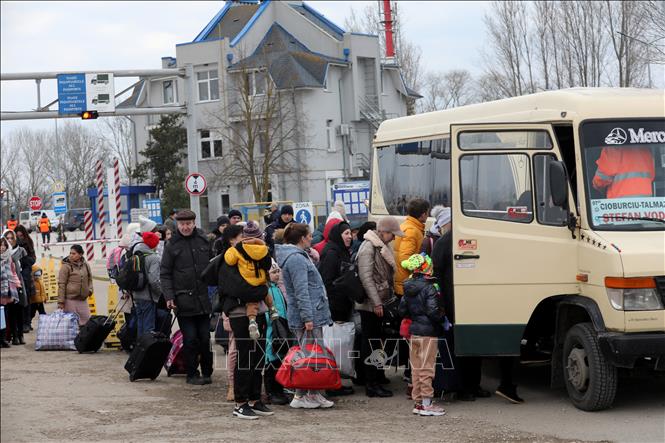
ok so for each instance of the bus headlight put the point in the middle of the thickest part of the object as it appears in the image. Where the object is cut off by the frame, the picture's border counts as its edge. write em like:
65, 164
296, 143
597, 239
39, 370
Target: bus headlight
633, 294
645, 299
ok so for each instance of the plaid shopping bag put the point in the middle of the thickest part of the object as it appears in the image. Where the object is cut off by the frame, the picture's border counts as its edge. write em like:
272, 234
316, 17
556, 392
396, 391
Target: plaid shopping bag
57, 331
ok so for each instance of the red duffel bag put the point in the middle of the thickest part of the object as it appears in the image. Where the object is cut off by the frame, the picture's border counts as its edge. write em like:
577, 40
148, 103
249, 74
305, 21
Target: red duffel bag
312, 368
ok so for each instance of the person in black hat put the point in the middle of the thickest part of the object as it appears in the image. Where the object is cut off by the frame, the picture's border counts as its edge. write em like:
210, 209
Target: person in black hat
285, 217
185, 256
222, 222
235, 216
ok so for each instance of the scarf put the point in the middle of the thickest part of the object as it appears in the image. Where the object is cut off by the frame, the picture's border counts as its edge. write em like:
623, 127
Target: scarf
386, 251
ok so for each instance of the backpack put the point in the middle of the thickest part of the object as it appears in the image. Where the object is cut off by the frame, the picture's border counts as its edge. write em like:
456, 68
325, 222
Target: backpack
131, 274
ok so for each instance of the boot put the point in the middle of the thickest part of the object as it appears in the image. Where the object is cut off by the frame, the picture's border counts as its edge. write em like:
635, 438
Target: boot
21, 341
15, 341
376, 390
4, 344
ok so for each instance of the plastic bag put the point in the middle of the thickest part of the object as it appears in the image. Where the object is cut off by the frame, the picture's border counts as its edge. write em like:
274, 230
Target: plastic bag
339, 338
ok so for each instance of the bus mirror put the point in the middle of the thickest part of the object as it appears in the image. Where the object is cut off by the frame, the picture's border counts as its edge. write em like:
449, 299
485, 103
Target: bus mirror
558, 183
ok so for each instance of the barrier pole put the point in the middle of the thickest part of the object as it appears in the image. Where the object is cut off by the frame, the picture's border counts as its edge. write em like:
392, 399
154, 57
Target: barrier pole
89, 247
99, 168
118, 205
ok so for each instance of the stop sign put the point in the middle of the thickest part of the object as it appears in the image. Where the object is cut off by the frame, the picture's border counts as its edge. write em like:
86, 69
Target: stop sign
35, 203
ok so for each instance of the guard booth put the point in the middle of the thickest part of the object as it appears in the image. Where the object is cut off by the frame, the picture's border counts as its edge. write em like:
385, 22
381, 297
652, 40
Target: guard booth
130, 197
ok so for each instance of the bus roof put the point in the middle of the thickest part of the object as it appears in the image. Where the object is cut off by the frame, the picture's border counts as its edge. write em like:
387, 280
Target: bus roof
578, 104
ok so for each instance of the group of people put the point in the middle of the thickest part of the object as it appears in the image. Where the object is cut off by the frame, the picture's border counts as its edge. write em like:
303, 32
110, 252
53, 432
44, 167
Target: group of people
287, 271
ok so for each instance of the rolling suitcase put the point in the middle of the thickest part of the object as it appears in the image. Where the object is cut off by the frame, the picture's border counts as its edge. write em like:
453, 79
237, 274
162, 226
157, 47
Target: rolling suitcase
91, 335
446, 375
175, 362
149, 354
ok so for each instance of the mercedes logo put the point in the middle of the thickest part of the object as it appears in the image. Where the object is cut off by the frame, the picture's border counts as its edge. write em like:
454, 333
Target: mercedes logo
616, 137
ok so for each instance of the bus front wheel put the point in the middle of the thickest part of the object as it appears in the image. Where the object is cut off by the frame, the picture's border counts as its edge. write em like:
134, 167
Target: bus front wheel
591, 381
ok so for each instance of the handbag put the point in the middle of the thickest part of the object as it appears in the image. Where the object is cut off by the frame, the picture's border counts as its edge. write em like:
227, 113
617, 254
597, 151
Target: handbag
349, 282
404, 328
391, 320
210, 274
282, 338
312, 367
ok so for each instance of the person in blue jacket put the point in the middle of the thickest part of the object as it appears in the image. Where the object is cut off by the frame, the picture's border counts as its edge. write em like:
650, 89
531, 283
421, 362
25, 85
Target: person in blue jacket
276, 350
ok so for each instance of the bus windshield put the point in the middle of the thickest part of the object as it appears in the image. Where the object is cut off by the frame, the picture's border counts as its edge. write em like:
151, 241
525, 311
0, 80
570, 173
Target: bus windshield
624, 164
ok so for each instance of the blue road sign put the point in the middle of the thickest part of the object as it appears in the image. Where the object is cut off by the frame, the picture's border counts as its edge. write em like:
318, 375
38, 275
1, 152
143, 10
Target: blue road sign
59, 202
71, 93
303, 216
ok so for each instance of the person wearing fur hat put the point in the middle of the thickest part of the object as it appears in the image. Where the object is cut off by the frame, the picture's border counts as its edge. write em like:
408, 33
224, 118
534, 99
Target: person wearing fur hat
252, 258
145, 300
285, 217
376, 269
442, 223
420, 303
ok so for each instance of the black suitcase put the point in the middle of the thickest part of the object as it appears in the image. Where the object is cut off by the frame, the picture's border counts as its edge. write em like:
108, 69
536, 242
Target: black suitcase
446, 375
148, 356
127, 336
91, 336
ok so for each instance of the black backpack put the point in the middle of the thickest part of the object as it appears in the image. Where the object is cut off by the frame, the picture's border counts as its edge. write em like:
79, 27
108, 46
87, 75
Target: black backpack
132, 275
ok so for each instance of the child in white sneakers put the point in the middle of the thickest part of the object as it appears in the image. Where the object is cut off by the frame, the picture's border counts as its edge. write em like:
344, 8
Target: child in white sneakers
420, 303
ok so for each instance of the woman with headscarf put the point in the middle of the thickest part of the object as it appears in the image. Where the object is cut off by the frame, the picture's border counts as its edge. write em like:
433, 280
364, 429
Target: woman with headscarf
337, 250
29, 259
17, 310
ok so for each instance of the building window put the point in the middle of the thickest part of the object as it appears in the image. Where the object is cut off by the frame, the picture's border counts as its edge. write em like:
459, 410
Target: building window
226, 203
264, 142
256, 83
211, 144
208, 82
168, 90
330, 136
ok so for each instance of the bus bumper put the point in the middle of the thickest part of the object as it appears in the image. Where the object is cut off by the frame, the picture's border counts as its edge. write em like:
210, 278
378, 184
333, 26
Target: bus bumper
623, 350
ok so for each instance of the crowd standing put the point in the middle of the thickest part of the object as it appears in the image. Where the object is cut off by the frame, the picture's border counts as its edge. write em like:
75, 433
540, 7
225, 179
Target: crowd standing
262, 280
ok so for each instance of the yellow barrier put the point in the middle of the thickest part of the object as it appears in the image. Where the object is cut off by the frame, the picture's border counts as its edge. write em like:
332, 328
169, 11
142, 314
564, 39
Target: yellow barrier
92, 305
112, 341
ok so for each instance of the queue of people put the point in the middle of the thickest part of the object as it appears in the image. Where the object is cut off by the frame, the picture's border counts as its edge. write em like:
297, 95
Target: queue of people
264, 276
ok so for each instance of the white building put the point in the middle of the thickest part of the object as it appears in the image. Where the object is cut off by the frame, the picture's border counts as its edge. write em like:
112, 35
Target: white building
334, 83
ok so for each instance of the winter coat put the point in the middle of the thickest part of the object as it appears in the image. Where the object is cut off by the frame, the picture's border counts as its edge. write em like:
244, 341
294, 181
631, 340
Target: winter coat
376, 269
21, 260
152, 263
74, 280
420, 303
442, 258
251, 257
44, 225
405, 247
270, 233
330, 267
27, 259
39, 295
183, 261
9, 281
326, 234
306, 298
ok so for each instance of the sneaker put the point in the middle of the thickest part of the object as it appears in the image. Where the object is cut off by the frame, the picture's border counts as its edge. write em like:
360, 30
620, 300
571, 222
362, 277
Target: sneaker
416, 408
207, 380
321, 400
431, 410
509, 393
245, 412
274, 315
261, 409
481, 393
254, 333
304, 402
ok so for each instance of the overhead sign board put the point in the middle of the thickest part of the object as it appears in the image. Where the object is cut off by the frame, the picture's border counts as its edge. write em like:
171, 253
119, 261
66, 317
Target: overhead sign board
135, 213
195, 184
303, 212
85, 92
59, 203
353, 194
154, 206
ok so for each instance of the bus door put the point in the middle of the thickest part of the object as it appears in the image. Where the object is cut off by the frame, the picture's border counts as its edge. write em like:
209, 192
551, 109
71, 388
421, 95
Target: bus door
511, 245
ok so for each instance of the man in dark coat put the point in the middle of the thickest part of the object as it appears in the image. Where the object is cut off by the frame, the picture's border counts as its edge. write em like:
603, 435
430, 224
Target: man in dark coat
185, 256
285, 217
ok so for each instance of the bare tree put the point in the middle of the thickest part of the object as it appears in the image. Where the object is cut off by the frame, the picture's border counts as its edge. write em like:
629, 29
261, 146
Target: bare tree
260, 131
120, 140
628, 27
448, 90
11, 179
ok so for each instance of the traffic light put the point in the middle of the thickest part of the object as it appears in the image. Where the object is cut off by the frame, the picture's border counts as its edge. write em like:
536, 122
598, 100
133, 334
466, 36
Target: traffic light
89, 115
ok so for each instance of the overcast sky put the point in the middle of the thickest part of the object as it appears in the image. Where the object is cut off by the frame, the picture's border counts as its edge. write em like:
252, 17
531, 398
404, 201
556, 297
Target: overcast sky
79, 36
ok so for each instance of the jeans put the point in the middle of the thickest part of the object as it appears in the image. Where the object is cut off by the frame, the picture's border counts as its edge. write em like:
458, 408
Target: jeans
196, 344
46, 237
304, 338
146, 312
248, 376
371, 341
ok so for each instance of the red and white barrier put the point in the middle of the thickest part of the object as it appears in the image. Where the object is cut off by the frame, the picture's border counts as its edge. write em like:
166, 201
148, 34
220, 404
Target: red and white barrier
116, 185
89, 247
99, 175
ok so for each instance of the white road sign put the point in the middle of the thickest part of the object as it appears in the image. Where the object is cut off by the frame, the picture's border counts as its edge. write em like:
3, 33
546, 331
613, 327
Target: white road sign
195, 184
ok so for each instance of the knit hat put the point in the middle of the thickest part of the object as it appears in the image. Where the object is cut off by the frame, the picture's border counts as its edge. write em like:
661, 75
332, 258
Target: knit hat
150, 239
252, 230
340, 207
286, 209
223, 220
235, 213
146, 224
418, 264
125, 240
185, 214
389, 224
443, 216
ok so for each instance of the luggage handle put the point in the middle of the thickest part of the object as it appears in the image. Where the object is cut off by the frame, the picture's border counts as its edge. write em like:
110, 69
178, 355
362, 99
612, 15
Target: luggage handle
175, 316
116, 312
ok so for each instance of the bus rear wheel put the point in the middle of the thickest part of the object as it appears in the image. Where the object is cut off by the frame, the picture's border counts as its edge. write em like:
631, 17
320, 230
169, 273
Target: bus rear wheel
591, 381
